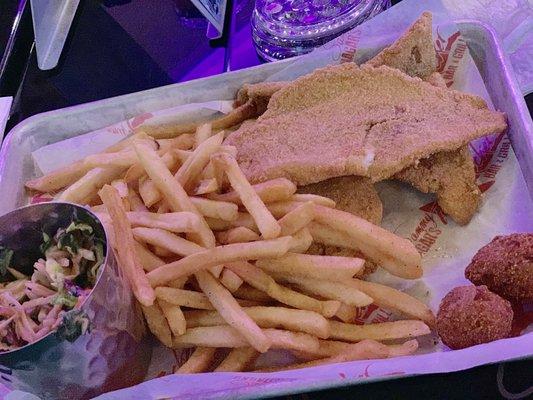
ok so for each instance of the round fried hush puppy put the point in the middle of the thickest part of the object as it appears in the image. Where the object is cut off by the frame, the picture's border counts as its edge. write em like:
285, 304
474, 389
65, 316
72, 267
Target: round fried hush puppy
505, 266
471, 315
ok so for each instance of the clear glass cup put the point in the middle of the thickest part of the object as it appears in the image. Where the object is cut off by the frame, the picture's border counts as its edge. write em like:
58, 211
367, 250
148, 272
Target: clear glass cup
288, 28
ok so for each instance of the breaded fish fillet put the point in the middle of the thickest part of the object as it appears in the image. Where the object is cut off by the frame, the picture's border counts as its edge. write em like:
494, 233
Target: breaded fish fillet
344, 120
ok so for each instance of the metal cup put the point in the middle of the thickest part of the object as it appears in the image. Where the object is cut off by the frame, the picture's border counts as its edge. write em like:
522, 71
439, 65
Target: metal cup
114, 353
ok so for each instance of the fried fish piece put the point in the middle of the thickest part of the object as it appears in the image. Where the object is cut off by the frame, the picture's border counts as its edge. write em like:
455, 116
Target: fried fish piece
258, 94
413, 53
345, 120
451, 175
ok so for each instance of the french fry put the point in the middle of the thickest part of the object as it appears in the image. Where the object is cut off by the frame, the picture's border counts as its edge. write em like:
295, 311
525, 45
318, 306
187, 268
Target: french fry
171, 130
331, 348
230, 280
393, 299
301, 241
269, 317
170, 159
59, 178
163, 207
175, 318
125, 247
248, 292
396, 254
216, 224
216, 209
149, 193
240, 234
267, 224
255, 277
226, 336
347, 313
122, 159
382, 331
239, 359
136, 203
270, 191
178, 222
231, 312
172, 190
206, 186
245, 220
162, 252
148, 260
329, 268
199, 361
185, 298
182, 142
84, 189
166, 240
203, 132
193, 166
217, 256
314, 198
329, 290
364, 350
157, 323
296, 219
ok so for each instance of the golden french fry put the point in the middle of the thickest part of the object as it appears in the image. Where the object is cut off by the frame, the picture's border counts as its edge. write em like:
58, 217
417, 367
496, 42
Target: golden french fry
162, 252
217, 256
83, 190
175, 318
122, 159
393, 299
166, 240
216, 209
267, 224
270, 191
296, 219
199, 361
347, 313
182, 142
216, 224
173, 129
172, 190
239, 359
125, 246
206, 186
185, 298
382, 331
203, 132
163, 207
314, 198
122, 189
240, 234
193, 166
170, 159
364, 350
148, 191
280, 208
329, 268
226, 336
148, 260
255, 277
157, 323
230, 280
328, 289
331, 348
59, 178
231, 312
248, 292
178, 222
398, 255
301, 241
269, 317
245, 220
136, 203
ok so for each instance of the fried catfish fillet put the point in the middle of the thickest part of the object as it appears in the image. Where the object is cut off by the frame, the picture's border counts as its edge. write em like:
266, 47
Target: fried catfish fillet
345, 120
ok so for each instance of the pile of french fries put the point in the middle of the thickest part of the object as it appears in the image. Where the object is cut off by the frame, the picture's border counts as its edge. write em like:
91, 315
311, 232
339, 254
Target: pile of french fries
218, 263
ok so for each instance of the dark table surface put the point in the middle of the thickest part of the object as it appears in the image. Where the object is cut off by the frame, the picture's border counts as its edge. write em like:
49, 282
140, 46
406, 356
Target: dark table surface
122, 46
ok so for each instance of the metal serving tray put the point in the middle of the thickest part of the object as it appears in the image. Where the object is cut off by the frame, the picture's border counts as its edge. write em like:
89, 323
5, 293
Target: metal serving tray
16, 165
